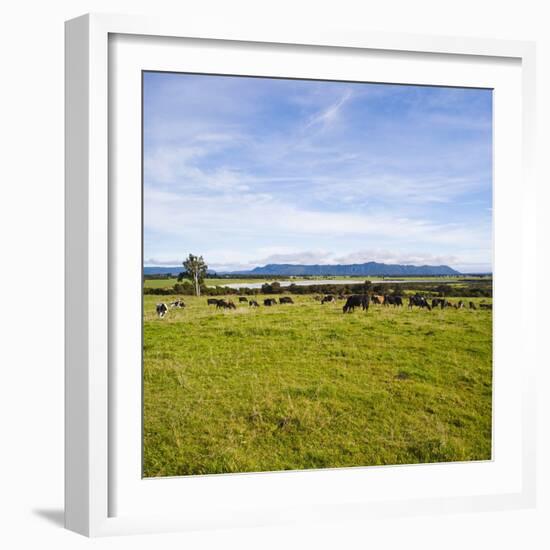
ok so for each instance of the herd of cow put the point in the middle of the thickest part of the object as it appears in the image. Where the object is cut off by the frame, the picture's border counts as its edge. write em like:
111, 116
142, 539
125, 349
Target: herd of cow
356, 300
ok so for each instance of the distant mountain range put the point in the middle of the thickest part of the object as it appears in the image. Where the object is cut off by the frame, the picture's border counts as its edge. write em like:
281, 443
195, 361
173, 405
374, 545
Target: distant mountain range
369, 269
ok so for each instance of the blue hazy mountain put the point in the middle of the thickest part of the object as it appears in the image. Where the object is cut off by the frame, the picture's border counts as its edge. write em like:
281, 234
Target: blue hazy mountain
368, 269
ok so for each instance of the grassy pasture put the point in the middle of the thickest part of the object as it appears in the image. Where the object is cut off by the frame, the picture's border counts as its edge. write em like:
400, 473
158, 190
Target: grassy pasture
305, 386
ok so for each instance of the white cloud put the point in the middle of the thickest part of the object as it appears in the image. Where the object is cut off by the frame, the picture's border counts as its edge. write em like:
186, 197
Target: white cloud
261, 219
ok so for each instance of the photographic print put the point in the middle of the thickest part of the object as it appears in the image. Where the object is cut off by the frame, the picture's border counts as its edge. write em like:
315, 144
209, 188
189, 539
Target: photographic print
317, 274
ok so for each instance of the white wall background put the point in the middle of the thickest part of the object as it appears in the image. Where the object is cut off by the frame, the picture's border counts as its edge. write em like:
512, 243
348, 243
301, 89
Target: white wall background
31, 268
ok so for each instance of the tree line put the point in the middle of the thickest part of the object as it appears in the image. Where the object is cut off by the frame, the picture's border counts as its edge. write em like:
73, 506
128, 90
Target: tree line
467, 290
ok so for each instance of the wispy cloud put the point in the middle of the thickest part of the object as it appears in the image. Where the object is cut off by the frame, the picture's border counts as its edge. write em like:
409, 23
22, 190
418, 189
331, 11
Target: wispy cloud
329, 114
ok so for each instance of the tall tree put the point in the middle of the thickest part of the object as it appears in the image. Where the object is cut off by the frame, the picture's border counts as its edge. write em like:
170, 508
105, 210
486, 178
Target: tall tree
195, 270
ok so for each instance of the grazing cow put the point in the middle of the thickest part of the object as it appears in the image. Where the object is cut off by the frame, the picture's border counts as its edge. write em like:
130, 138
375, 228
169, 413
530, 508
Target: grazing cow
161, 310
393, 300
328, 298
178, 303
212, 301
270, 302
472, 305
441, 302
378, 299
420, 301
286, 300
460, 304
485, 306
225, 304
243, 299
355, 301
253, 303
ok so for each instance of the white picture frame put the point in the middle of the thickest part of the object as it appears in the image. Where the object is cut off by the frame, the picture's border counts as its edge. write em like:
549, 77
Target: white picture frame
99, 499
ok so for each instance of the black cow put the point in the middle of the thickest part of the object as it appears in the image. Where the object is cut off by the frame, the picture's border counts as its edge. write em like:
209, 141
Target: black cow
441, 302
485, 306
472, 305
161, 310
420, 301
393, 300
270, 302
328, 298
355, 301
243, 299
178, 303
253, 303
212, 301
225, 304
285, 300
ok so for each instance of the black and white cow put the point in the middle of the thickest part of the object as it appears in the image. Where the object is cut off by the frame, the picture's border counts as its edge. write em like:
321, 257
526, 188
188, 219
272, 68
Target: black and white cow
161, 310
420, 301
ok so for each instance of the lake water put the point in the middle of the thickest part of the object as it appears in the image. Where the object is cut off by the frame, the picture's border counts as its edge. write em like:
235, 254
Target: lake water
329, 282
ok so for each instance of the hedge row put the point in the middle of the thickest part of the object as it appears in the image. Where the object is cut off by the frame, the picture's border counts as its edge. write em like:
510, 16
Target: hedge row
483, 290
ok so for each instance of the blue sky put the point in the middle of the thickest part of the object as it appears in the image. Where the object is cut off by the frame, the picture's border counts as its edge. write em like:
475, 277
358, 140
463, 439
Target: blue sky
249, 171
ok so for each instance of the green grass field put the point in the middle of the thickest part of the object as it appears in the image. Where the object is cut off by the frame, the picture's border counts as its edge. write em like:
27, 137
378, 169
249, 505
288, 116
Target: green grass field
305, 386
